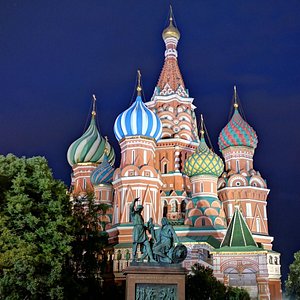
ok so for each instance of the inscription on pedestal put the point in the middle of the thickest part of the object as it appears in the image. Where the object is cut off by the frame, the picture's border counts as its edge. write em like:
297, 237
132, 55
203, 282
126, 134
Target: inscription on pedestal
144, 291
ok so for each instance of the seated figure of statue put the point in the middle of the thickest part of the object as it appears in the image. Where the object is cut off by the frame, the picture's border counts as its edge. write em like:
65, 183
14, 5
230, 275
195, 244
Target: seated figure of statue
165, 239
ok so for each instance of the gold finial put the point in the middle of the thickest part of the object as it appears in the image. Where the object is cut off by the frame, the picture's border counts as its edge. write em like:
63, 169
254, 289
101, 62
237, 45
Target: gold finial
139, 87
94, 105
202, 126
171, 30
171, 14
235, 105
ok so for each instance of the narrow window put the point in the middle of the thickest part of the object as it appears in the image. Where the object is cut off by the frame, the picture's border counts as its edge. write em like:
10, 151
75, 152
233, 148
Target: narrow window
229, 210
84, 183
265, 211
238, 166
165, 209
257, 224
248, 165
165, 168
147, 212
248, 210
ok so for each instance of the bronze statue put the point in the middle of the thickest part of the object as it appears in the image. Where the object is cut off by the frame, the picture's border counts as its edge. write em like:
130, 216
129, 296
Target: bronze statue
139, 232
165, 239
164, 245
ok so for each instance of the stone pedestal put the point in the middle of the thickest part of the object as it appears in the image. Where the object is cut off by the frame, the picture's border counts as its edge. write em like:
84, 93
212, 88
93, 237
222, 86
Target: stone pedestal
155, 281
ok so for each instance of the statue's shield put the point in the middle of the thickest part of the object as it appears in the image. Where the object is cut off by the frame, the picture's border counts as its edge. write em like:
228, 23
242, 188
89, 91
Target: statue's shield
179, 254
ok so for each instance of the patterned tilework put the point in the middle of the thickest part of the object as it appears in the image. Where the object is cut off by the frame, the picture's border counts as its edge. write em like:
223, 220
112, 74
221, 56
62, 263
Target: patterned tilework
237, 133
203, 162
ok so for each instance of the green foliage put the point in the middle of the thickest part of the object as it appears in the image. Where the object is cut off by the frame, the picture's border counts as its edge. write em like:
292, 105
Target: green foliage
292, 284
88, 259
201, 284
35, 230
235, 293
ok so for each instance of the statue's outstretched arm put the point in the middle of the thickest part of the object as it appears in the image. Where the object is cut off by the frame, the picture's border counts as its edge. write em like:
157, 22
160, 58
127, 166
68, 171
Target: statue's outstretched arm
133, 204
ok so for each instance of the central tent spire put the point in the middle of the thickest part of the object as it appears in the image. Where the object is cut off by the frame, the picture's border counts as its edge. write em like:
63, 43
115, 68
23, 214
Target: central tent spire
170, 80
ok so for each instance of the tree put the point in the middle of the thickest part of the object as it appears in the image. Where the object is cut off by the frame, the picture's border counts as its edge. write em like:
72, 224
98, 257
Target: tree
201, 284
35, 230
293, 282
88, 260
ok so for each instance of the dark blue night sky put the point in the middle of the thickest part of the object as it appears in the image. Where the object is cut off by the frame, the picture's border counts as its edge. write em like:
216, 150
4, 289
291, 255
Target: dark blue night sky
55, 54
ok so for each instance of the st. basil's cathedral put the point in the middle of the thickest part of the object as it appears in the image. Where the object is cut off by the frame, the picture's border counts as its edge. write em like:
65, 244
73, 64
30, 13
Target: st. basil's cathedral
218, 208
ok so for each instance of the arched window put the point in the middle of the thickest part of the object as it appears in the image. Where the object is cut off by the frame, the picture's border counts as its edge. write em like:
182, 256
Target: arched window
271, 260
183, 207
174, 206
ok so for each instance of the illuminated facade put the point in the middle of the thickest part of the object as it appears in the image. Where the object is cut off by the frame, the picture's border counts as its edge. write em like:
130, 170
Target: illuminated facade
218, 213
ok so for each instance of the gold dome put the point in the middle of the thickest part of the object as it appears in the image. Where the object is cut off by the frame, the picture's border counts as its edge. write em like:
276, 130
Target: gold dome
171, 31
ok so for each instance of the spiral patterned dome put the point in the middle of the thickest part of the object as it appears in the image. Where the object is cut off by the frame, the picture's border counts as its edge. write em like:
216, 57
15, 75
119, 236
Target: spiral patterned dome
203, 162
103, 174
138, 120
90, 147
237, 133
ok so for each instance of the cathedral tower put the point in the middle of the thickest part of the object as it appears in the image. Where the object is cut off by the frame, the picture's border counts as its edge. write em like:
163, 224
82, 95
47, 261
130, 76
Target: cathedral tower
175, 109
240, 261
85, 154
240, 182
205, 210
137, 129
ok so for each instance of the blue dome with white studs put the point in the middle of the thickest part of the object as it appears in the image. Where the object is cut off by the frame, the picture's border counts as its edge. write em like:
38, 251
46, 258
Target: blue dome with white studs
138, 120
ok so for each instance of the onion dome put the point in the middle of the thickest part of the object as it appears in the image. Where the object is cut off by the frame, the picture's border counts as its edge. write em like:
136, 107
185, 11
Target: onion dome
90, 147
171, 30
237, 132
138, 120
204, 161
103, 174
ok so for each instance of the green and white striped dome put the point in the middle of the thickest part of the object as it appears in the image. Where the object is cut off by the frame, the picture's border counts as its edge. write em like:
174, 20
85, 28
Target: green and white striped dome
90, 147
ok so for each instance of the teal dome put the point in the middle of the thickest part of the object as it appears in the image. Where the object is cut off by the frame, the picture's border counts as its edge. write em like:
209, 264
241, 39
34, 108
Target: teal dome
103, 174
90, 147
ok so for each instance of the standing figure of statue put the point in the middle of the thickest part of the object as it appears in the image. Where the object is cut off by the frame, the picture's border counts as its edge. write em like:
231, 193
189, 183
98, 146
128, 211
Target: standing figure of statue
139, 231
